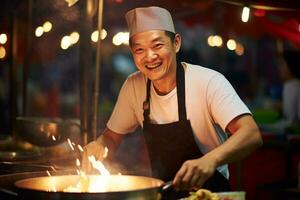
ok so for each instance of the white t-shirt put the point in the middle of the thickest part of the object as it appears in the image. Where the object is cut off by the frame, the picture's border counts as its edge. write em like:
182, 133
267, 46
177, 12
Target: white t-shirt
291, 100
211, 103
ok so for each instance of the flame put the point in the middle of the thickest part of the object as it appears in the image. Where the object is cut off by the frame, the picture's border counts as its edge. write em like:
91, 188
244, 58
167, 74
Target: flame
48, 173
70, 144
80, 148
83, 184
105, 152
86, 183
98, 165
77, 162
53, 168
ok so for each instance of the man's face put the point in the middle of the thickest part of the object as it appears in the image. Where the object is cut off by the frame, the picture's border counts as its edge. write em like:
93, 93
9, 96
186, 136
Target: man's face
155, 54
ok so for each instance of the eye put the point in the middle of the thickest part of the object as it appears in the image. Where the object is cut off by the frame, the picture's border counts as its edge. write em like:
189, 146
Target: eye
138, 50
158, 45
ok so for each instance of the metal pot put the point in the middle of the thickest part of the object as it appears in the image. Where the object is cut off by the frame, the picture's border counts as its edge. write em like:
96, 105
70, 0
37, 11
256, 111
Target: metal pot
116, 188
44, 132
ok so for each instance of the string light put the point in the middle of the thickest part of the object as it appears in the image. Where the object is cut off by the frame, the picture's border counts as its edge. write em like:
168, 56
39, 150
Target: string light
95, 35
121, 38
231, 44
39, 31
47, 26
65, 42
74, 36
71, 2
245, 14
3, 38
2, 52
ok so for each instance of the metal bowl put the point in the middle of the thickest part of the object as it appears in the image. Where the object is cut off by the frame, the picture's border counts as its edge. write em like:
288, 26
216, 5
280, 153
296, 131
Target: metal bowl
113, 187
44, 132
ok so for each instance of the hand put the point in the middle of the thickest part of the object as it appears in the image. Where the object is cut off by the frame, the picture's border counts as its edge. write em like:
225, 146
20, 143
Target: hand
194, 173
95, 149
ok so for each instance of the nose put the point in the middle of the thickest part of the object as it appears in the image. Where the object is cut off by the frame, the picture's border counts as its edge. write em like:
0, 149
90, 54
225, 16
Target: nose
150, 55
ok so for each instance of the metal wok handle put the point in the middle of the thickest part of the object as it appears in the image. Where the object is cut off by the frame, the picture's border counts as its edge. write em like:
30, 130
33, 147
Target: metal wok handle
8, 193
167, 186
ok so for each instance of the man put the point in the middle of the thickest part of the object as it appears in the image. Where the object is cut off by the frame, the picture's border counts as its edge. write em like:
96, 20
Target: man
182, 109
290, 75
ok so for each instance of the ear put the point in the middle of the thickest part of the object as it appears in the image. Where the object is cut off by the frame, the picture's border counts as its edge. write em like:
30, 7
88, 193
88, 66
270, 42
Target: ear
177, 42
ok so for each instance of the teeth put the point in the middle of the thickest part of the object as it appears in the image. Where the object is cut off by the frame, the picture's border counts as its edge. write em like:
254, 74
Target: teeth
153, 66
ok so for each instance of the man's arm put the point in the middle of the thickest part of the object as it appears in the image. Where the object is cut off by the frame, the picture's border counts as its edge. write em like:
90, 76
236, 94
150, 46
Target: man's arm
109, 139
245, 138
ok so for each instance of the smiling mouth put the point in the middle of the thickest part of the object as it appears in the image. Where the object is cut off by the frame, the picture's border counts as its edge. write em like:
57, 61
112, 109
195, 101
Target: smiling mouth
153, 66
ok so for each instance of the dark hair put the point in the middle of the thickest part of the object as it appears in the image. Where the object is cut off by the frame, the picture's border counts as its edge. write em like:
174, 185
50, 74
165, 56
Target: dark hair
292, 59
169, 34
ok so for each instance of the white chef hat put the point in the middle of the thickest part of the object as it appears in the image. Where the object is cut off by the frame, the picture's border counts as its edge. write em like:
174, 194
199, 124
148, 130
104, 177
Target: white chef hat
149, 18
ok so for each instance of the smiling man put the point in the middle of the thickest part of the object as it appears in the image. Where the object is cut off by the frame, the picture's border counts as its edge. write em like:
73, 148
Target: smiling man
186, 111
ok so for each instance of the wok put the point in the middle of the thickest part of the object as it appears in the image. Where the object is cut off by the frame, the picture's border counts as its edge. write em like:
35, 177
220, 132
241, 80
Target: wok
44, 132
115, 187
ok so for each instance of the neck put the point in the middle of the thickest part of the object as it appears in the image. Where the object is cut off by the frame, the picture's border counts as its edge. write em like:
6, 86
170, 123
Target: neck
164, 89
166, 85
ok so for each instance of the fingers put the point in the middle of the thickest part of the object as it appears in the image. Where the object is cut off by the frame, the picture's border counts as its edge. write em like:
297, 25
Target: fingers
188, 179
191, 176
178, 184
91, 149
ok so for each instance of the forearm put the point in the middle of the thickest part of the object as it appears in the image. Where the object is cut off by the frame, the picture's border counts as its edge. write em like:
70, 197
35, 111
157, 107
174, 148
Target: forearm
244, 140
111, 140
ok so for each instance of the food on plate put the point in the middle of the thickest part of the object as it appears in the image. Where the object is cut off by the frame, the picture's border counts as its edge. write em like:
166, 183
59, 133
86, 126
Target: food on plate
203, 194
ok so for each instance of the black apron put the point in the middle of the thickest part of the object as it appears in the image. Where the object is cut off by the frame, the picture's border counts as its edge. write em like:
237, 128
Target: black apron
170, 145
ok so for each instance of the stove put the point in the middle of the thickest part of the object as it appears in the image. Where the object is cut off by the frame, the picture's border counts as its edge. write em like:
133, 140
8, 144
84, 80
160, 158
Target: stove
17, 165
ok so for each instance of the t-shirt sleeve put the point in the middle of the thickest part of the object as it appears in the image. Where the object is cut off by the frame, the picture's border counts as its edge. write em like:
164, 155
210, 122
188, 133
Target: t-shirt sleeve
123, 119
223, 101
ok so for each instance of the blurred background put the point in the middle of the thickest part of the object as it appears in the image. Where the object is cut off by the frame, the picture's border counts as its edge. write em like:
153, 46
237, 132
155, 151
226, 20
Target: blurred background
50, 51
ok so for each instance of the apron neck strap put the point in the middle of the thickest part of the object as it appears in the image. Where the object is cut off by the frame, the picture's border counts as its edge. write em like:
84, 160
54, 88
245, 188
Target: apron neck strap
180, 83
146, 104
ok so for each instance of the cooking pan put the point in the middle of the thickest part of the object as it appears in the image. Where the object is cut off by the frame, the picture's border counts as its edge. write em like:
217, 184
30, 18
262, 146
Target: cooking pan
44, 132
113, 187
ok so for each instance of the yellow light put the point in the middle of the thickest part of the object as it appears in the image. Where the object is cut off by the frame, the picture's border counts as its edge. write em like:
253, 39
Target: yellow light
125, 38
121, 38
103, 34
2, 52
47, 26
245, 14
239, 49
71, 2
117, 40
3, 38
39, 31
231, 44
74, 37
95, 35
217, 41
65, 42
210, 41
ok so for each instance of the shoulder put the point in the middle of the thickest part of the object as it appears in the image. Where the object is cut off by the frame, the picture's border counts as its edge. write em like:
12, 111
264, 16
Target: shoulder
136, 77
202, 74
134, 84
